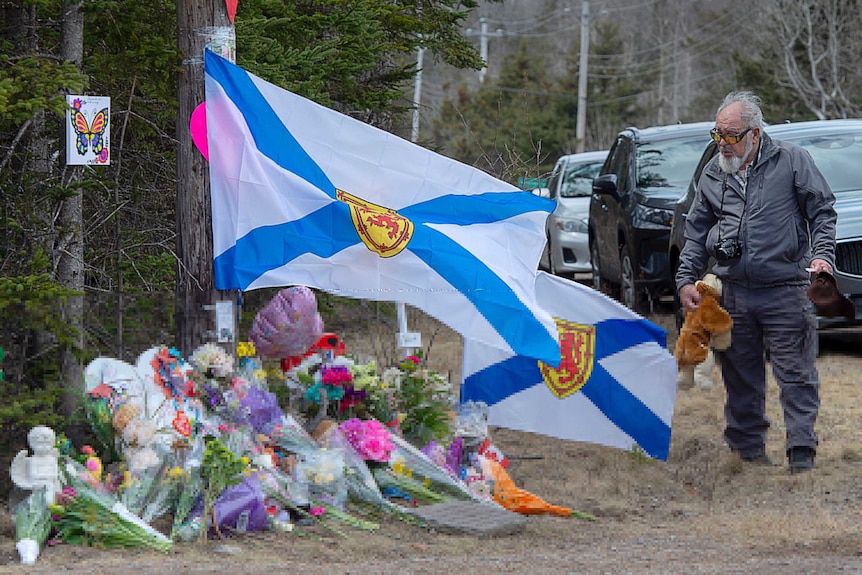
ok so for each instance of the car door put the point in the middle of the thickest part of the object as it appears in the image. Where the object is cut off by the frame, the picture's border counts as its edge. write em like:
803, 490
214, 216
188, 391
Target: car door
606, 213
553, 194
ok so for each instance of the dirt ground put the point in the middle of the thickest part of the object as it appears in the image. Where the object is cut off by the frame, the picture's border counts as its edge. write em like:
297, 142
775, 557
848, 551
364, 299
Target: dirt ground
701, 512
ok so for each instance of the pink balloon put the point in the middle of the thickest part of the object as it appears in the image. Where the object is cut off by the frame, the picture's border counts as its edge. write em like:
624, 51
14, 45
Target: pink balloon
288, 325
198, 129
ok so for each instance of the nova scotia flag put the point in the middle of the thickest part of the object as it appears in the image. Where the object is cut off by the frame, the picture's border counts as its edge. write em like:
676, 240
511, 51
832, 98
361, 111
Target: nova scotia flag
615, 384
304, 195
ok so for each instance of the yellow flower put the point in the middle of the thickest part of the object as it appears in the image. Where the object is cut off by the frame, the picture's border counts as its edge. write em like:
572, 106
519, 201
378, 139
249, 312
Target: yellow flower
245, 349
401, 468
175, 473
128, 480
260, 374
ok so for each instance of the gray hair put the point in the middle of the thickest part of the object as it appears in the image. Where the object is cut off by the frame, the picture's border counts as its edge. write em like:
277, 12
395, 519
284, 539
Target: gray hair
752, 116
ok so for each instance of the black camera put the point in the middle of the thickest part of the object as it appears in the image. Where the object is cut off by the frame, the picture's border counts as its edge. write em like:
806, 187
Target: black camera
726, 250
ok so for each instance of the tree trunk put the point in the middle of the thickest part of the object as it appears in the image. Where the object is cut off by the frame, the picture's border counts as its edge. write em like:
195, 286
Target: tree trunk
198, 22
69, 242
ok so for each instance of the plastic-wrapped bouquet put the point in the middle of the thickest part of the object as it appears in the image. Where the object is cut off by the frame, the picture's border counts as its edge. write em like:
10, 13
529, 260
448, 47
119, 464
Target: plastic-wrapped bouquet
154, 491
32, 525
323, 472
87, 515
409, 462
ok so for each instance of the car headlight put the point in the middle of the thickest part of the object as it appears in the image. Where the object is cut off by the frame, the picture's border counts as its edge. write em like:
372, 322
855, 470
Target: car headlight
647, 217
572, 226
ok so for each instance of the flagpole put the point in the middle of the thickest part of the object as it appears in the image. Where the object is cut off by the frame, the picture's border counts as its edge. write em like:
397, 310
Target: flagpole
414, 136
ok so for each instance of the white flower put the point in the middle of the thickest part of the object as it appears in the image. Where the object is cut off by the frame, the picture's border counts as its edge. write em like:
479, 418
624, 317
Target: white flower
209, 356
141, 459
392, 377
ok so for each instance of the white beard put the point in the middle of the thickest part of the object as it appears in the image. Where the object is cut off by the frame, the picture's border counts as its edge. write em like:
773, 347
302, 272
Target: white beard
731, 165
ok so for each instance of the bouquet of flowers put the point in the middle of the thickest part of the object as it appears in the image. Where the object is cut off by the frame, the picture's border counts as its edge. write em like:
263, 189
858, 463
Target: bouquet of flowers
185, 527
360, 483
379, 394
362, 488
290, 436
409, 462
212, 361
284, 491
323, 472
369, 438
423, 401
32, 525
89, 516
219, 470
153, 492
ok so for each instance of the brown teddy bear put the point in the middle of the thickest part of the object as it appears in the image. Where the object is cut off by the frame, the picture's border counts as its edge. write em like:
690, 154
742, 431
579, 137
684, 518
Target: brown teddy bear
706, 327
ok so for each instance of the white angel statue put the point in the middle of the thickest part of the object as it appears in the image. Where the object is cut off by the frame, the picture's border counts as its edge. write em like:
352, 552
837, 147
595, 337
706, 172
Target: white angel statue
40, 469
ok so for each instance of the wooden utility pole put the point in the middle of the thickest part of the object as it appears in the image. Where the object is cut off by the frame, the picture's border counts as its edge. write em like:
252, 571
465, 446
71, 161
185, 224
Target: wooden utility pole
199, 23
581, 123
69, 242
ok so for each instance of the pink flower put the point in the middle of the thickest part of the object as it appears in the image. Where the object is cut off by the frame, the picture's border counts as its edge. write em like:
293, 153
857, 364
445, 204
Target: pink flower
369, 438
87, 450
317, 511
377, 448
66, 496
335, 375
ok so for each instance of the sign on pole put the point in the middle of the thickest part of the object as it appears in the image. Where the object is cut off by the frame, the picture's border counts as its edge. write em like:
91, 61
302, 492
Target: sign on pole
88, 130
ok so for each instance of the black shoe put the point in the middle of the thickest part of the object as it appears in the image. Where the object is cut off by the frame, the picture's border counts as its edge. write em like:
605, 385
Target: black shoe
800, 459
757, 457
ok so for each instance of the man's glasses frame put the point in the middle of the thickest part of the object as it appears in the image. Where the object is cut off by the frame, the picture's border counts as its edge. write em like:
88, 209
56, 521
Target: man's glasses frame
729, 138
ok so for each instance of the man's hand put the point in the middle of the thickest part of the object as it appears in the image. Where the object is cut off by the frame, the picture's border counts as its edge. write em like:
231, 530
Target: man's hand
689, 297
818, 265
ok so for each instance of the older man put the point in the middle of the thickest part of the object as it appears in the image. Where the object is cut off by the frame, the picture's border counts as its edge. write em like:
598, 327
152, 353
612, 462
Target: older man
764, 213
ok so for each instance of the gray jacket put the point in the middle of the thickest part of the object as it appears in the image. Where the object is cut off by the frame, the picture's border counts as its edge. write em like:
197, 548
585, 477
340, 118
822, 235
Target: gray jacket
784, 220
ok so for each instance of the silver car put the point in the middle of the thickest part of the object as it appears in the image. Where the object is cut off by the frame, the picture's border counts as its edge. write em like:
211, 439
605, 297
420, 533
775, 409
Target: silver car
567, 251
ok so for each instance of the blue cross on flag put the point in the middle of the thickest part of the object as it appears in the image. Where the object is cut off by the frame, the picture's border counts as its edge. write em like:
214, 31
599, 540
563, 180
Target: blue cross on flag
304, 195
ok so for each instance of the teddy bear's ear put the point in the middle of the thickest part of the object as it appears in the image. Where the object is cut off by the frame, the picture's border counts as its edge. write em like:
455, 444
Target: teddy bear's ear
707, 290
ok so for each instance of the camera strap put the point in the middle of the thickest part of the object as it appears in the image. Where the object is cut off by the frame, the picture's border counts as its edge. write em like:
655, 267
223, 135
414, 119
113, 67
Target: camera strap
721, 209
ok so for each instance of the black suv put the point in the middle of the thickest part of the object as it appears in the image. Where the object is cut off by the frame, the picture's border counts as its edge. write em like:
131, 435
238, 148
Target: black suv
631, 209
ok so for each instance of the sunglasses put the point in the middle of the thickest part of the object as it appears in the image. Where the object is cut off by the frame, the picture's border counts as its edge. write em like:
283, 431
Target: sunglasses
729, 138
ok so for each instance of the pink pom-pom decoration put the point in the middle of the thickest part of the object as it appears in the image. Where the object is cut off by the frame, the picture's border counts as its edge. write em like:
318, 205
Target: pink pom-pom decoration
288, 325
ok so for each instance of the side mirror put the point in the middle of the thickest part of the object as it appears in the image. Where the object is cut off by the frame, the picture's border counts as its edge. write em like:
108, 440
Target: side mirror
542, 192
606, 185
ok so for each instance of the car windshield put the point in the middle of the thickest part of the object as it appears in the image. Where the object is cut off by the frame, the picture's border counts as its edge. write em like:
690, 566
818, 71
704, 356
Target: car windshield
837, 156
578, 180
669, 163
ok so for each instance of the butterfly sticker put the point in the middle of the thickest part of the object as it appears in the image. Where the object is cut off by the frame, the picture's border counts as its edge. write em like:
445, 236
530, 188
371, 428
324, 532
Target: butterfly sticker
89, 135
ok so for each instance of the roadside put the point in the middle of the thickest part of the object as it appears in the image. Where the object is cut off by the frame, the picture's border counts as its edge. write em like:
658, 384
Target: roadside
702, 511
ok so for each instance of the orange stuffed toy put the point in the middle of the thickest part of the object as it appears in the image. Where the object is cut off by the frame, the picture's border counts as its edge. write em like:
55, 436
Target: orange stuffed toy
706, 327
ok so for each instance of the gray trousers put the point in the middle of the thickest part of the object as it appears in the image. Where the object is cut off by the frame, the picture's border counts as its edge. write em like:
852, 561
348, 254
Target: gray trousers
776, 325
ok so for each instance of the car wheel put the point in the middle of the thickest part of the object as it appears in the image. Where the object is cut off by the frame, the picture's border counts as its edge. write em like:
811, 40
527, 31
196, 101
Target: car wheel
629, 295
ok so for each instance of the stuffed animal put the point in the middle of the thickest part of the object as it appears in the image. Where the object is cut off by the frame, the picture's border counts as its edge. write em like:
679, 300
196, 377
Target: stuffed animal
706, 327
